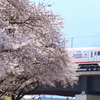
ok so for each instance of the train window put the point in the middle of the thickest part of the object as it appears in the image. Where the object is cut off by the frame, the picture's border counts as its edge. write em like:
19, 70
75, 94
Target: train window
91, 54
78, 55
98, 52
95, 53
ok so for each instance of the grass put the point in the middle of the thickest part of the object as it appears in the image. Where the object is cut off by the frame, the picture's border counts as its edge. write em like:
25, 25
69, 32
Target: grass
9, 98
5, 98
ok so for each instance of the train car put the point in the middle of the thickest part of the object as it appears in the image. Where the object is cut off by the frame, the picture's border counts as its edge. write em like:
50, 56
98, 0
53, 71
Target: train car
88, 58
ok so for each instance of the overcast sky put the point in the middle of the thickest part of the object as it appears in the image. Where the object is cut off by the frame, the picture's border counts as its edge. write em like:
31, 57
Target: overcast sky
82, 21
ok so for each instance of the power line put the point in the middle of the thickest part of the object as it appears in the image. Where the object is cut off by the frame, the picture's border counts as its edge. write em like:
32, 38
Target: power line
85, 36
72, 38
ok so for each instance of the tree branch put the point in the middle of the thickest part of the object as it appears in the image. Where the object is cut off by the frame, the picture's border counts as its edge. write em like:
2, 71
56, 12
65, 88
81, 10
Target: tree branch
28, 92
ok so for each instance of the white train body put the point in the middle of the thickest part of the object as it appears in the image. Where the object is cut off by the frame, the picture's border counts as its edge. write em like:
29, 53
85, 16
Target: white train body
86, 57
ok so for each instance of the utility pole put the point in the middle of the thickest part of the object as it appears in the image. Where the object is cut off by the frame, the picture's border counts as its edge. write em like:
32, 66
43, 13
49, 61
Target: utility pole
72, 42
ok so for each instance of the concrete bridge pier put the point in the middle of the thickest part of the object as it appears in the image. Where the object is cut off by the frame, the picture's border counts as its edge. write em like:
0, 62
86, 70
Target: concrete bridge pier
87, 97
90, 81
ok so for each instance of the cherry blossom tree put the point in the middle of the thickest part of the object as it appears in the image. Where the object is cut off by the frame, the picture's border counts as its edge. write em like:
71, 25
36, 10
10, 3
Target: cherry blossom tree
32, 51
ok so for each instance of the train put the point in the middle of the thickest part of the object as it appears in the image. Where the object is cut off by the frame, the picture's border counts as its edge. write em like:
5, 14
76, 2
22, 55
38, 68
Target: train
87, 58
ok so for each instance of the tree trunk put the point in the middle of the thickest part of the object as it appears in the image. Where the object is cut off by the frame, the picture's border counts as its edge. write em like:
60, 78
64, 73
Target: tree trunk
13, 97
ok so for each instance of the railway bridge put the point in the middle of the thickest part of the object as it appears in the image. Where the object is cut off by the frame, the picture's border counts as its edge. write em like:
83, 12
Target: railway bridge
87, 87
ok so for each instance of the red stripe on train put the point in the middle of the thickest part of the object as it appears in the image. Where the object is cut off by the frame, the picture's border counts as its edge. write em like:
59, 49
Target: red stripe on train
87, 62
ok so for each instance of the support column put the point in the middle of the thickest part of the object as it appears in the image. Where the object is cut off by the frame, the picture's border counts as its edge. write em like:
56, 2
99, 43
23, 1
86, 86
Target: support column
87, 97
